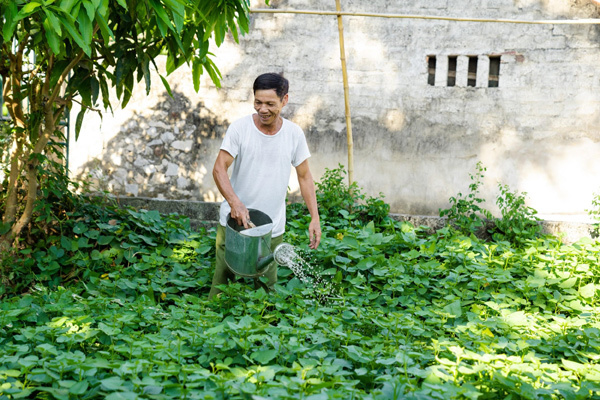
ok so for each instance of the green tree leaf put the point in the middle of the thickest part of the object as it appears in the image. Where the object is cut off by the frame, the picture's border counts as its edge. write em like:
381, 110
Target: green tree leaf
166, 85
79, 122
213, 72
85, 27
196, 72
10, 21
67, 5
146, 71
29, 7
74, 34
105, 30
54, 22
90, 9
161, 13
52, 38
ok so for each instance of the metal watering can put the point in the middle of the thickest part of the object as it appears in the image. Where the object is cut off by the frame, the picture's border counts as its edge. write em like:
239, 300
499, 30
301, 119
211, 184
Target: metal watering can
248, 251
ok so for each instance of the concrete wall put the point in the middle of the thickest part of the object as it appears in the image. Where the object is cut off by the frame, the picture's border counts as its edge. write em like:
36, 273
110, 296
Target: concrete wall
416, 143
206, 214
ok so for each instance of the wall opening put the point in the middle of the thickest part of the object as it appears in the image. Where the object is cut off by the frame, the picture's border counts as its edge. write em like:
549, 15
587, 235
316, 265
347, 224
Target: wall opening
431, 62
452, 61
472, 70
472, 74
494, 78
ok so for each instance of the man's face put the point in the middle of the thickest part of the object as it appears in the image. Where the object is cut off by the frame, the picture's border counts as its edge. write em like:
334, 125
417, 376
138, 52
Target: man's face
268, 105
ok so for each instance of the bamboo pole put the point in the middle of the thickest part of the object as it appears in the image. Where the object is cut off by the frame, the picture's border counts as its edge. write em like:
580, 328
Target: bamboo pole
346, 96
586, 21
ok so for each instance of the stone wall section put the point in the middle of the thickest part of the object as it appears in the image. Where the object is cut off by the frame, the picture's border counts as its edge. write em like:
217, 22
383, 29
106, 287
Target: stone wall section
158, 152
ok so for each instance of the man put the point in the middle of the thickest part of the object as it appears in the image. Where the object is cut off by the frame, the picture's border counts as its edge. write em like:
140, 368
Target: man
262, 148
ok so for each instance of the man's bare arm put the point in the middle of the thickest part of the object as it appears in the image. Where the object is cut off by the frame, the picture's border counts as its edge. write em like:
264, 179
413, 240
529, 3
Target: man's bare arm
307, 189
239, 212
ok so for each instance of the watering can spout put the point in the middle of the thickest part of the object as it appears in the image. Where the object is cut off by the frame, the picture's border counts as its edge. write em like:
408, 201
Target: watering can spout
280, 255
263, 262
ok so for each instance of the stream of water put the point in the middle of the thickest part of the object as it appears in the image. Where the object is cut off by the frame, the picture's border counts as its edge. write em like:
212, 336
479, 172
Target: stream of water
322, 288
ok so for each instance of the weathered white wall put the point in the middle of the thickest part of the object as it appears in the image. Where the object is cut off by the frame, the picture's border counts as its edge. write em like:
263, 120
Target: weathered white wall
415, 143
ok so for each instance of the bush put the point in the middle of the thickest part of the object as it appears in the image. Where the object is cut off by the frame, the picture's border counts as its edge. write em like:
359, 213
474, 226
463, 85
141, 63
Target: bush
340, 207
335, 197
516, 224
518, 221
465, 213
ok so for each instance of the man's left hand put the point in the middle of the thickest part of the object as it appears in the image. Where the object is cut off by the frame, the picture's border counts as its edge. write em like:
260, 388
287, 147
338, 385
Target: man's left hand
314, 233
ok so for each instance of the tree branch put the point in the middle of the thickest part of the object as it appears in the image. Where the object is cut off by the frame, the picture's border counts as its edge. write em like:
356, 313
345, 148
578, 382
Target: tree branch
23, 43
49, 125
88, 107
58, 112
63, 77
46, 87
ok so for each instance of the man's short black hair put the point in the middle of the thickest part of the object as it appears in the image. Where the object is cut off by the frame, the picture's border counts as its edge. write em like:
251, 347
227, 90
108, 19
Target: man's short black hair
272, 81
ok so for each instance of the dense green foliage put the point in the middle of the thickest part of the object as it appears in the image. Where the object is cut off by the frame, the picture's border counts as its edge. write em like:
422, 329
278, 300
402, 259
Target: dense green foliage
55, 54
117, 308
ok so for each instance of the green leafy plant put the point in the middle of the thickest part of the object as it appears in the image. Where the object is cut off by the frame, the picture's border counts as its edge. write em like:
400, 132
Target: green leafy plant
334, 194
594, 212
412, 315
518, 221
465, 212
335, 197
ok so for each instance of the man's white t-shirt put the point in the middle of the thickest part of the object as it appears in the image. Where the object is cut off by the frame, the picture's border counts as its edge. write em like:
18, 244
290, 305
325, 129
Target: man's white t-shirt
262, 166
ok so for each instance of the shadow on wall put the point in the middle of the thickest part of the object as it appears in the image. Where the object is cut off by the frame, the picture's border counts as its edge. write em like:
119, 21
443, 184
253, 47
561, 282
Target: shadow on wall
167, 155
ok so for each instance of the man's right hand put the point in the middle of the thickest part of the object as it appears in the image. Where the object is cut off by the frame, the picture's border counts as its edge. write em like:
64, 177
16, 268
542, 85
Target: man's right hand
240, 213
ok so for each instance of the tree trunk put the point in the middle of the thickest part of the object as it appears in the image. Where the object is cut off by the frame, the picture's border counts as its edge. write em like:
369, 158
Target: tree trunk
16, 159
31, 177
28, 144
